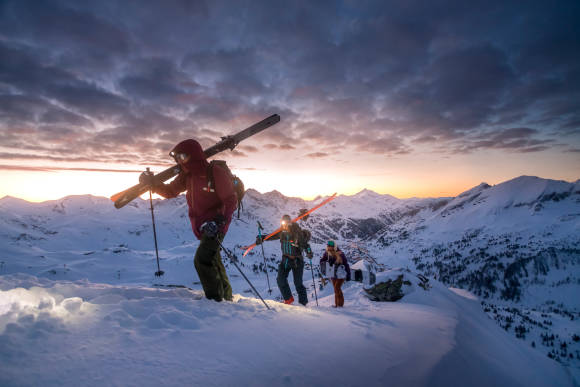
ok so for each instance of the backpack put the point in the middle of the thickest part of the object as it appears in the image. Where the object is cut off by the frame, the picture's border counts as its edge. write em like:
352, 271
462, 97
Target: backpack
238, 183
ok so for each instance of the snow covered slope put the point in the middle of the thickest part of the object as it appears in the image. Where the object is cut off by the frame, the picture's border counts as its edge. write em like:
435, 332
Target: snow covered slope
515, 245
81, 333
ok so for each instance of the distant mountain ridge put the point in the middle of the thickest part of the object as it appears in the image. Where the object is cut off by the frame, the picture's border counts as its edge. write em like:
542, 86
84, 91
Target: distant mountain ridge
366, 215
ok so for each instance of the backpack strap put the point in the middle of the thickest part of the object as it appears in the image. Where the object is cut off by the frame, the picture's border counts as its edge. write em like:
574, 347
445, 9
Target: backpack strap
210, 184
210, 187
240, 205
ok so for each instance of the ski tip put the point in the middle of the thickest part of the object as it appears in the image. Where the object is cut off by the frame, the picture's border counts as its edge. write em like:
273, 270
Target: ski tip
120, 200
248, 250
116, 196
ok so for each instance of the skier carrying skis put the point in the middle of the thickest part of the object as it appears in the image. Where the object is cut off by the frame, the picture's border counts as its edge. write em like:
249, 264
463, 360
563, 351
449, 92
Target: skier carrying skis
334, 265
293, 241
210, 211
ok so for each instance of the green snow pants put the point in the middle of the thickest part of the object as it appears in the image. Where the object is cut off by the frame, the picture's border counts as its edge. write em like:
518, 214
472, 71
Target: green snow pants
211, 270
295, 265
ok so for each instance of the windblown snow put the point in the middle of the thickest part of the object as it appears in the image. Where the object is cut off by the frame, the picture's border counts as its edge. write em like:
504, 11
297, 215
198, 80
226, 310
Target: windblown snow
79, 305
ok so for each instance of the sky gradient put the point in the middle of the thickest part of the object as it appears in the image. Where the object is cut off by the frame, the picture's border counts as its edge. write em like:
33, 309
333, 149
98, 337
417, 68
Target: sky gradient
408, 98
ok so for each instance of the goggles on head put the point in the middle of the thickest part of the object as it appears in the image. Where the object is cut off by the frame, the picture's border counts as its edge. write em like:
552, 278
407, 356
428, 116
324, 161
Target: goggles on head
179, 156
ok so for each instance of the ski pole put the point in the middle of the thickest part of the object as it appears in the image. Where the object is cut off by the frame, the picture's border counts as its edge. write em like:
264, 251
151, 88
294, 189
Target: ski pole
260, 228
322, 280
232, 258
313, 282
159, 272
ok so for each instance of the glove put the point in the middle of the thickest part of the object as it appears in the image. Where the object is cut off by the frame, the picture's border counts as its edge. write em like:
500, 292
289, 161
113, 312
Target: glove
209, 229
147, 178
309, 252
220, 220
259, 240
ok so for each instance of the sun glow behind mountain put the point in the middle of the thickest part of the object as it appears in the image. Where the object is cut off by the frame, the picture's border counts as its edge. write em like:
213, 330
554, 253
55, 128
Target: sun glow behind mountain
41, 186
400, 179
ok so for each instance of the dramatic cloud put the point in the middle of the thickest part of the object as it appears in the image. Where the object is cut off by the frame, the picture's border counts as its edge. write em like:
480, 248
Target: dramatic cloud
248, 148
515, 139
317, 155
115, 81
237, 153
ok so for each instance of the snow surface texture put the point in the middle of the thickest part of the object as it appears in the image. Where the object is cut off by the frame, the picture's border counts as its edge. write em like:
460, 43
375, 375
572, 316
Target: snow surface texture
77, 305
80, 333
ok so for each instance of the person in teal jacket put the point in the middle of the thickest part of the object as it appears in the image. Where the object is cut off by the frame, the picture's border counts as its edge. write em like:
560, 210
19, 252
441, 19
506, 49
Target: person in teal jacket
293, 242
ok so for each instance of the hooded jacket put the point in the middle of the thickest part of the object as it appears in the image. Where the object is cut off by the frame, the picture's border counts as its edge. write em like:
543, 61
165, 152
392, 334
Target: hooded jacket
204, 205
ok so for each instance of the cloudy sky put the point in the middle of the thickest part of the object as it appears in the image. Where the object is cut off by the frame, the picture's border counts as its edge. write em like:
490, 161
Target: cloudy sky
411, 98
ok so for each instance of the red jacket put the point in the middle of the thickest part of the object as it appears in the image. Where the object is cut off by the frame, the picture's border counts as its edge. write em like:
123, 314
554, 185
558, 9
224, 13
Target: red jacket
203, 205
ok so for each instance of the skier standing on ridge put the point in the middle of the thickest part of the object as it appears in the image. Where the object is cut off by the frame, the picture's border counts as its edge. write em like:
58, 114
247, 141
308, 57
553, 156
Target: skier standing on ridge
334, 264
293, 241
211, 205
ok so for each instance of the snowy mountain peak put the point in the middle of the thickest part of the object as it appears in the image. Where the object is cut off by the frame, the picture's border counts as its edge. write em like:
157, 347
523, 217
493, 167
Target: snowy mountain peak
526, 190
369, 195
12, 202
521, 191
366, 192
252, 192
78, 203
275, 193
525, 202
474, 190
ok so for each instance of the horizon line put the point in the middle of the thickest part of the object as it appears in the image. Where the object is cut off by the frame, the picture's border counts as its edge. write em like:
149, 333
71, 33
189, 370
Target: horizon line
306, 198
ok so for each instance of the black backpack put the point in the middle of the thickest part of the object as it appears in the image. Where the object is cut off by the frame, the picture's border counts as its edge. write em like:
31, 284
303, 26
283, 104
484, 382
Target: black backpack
238, 183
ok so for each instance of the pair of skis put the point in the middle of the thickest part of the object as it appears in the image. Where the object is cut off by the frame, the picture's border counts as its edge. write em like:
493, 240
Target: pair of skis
123, 198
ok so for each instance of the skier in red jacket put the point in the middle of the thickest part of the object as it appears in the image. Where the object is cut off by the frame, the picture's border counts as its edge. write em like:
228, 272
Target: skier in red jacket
211, 206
